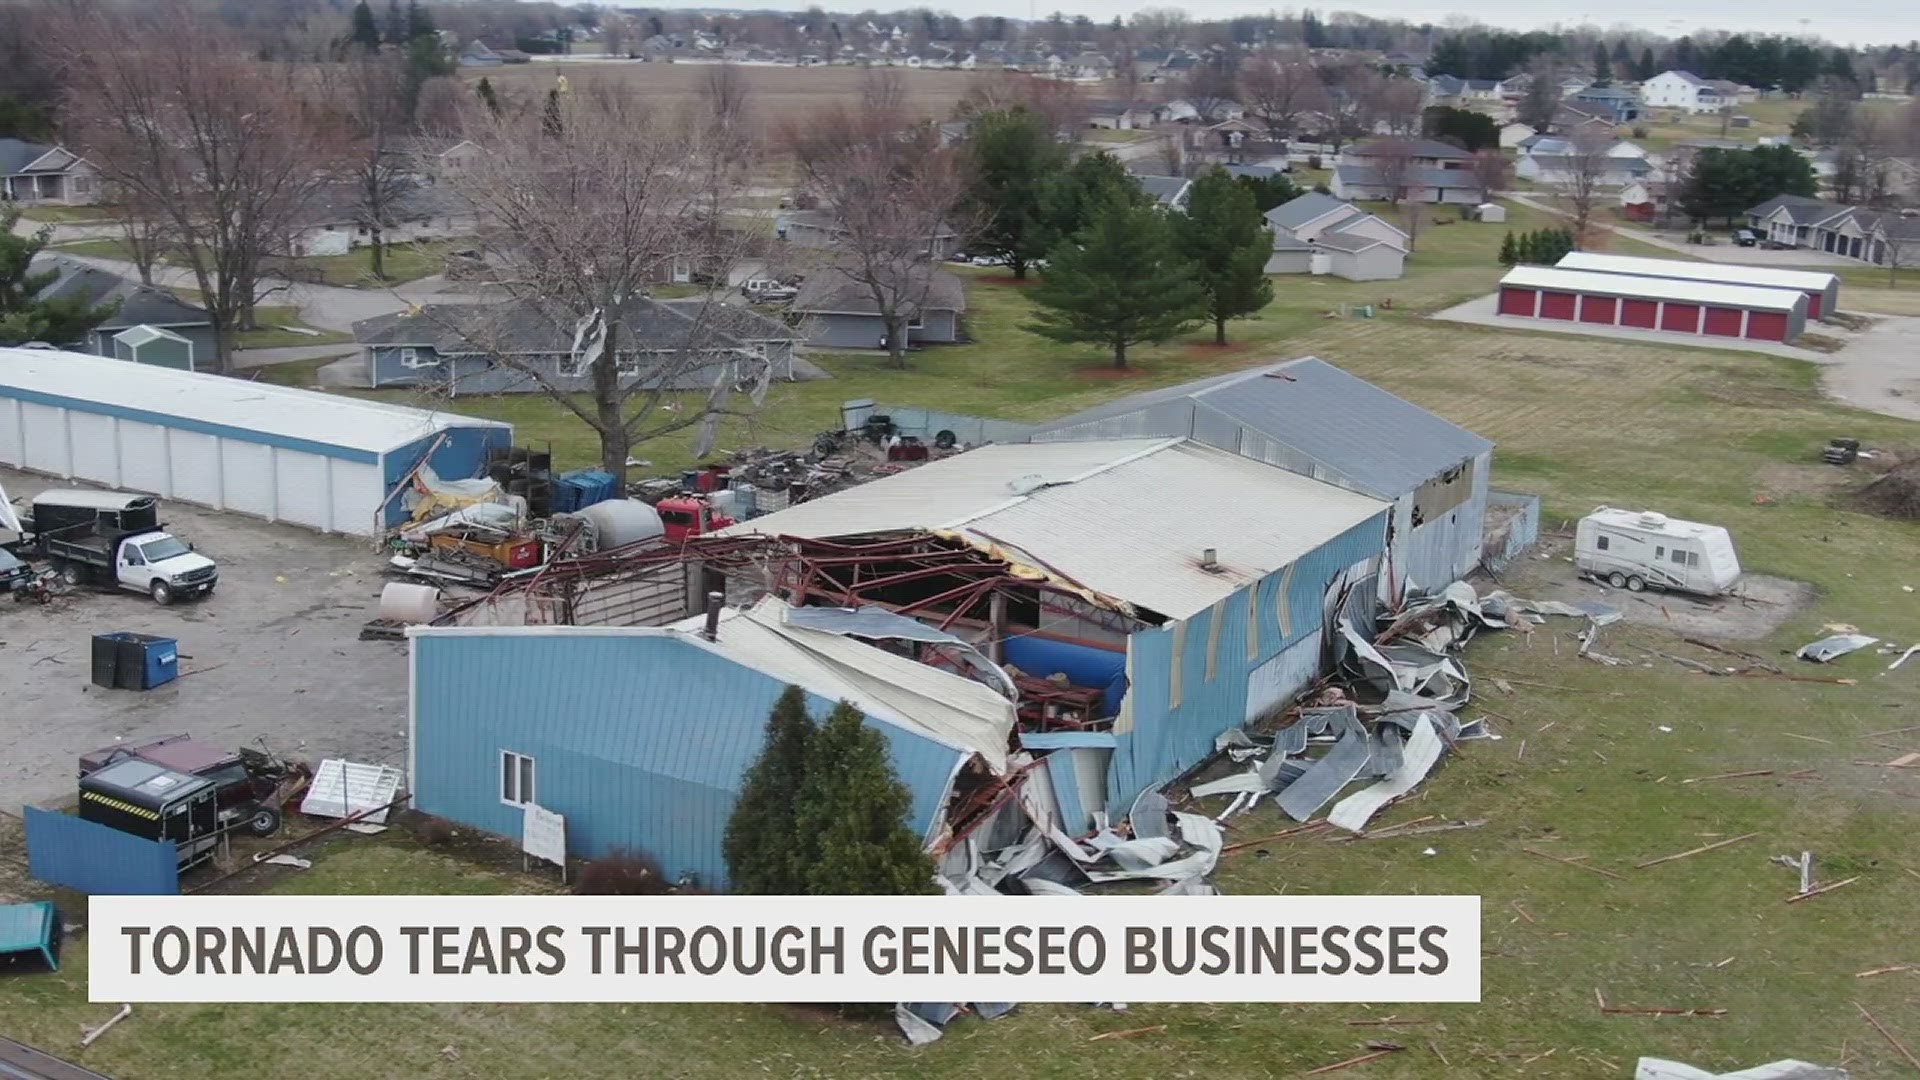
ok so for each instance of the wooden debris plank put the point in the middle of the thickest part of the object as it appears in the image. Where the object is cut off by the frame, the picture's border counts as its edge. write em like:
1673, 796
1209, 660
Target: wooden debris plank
1888, 1035
1728, 776
1350, 1062
1574, 863
1821, 890
1694, 851
1128, 1033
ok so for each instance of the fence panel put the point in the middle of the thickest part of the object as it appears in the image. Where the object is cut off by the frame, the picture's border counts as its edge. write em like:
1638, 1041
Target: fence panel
1517, 528
92, 858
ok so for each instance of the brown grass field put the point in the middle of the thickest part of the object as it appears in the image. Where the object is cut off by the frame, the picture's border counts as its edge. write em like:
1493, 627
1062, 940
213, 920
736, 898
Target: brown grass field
777, 93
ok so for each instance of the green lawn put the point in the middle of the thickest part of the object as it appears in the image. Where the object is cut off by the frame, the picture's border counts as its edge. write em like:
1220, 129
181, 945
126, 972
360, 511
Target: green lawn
57, 215
404, 262
93, 249
1587, 766
1115, 135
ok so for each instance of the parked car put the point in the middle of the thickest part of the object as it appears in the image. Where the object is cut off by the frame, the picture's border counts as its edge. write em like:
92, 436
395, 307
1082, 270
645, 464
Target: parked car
1746, 237
768, 291
987, 260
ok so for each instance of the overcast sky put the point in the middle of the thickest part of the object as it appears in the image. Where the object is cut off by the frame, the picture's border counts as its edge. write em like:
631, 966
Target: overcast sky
1858, 22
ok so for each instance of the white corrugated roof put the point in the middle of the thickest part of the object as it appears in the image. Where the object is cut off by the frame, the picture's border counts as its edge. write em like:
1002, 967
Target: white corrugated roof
1764, 276
281, 411
1127, 518
1686, 292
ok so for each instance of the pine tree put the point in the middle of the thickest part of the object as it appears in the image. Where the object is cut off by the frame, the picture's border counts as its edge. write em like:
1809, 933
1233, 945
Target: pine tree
762, 843
1528, 250
366, 31
1602, 66
554, 124
23, 316
1071, 197
1014, 152
1118, 282
1647, 68
1227, 243
851, 816
396, 30
419, 23
1509, 251
487, 96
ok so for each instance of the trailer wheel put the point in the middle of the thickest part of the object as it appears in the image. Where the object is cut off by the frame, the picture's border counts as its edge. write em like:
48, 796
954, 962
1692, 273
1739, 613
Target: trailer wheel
70, 575
1617, 579
161, 594
264, 822
1635, 584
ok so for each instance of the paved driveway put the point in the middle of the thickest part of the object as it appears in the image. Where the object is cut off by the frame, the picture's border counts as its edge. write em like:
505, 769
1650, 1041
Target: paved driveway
1879, 370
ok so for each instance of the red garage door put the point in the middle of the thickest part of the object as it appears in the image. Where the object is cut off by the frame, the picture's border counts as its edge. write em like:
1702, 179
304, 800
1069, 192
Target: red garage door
1641, 313
1767, 325
1556, 305
1815, 301
1598, 309
1517, 302
1722, 322
1682, 317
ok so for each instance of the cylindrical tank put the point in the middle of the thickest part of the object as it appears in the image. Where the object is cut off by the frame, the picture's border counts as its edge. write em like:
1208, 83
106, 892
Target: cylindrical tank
410, 604
618, 522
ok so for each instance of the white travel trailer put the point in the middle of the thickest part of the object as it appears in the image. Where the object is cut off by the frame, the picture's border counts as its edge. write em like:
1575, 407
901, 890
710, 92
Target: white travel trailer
1631, 550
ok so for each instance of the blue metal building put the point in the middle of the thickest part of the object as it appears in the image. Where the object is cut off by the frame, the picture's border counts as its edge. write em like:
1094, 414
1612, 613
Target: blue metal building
641, 736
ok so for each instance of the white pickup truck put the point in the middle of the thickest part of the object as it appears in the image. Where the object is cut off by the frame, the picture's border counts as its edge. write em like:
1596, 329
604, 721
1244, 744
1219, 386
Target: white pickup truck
113, 538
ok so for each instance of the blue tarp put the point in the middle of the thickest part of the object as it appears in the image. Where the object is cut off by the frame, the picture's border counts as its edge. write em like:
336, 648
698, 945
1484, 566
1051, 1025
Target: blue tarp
1083, 665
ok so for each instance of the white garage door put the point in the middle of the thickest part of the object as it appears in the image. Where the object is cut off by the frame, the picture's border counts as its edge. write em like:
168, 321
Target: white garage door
94, 456
196, 467
302, 480
12, 436
143, 458
247, 469
356, 491
46, 437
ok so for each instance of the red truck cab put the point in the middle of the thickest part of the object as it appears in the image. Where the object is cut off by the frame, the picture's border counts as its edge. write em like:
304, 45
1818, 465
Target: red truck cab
687, 516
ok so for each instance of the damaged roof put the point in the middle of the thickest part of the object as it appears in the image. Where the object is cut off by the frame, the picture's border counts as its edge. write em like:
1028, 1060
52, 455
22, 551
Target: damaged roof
1128, 518
1305, 415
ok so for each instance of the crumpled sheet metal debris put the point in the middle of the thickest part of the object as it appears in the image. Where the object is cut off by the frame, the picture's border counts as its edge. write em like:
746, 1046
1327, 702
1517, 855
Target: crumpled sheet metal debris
1661, 1069
1149, 814
918, 1031
1326, 777
1828, 649
1422, 752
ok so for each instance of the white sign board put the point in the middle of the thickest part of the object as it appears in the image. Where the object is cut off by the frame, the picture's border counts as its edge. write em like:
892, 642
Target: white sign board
342, 788
543, 835
9, 522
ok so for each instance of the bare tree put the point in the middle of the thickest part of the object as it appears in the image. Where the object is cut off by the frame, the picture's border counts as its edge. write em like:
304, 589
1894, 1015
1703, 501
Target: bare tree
1210, 89
1392, 162
724, 93
1542, 97
1582, 174
1279, 88
1057, 100
1399, 106
174, 111
380, 160
1492, 170
1413, 219
589, 211
1353, 99
144, 230
894, 194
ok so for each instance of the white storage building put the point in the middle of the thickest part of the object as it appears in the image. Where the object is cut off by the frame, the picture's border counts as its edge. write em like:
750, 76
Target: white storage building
274, 452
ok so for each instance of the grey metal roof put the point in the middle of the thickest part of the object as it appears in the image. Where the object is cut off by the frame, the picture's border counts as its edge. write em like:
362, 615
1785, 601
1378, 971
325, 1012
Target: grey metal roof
138, 304
17, 154
1367, 176
1164, 189
1419, 148
1312, 206
1340, 240
832, 290
736, 319
523, 327
1381, 443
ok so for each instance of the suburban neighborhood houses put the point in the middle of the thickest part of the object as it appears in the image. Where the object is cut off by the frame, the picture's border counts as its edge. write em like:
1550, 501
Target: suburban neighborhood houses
537, 503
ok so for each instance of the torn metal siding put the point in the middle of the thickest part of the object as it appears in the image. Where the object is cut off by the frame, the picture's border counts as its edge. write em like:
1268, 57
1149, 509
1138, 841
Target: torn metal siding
1157, 738
1446, 549
641, 741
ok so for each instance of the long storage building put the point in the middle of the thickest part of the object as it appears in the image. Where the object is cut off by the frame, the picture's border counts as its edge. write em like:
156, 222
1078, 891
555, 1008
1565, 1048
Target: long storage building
313, 459
1822, 288
1646, 303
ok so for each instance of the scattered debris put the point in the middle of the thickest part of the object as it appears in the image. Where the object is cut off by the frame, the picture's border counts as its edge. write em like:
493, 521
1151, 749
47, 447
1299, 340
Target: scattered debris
1576, 863
1694, 851
1661, 1069
1888, 1035
90, 1034
1827, 649
1821, 890
344, 788
1911, 649
294, 861
1385, 1050
1888, 970
1803, 864
1728, 776
1128, 1033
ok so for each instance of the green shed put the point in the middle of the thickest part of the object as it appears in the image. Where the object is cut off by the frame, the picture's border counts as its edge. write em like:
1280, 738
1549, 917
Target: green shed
31, 928
153, 345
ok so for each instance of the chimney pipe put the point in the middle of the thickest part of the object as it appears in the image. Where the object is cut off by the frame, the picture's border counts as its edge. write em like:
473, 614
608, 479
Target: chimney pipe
714, 602
1209, 559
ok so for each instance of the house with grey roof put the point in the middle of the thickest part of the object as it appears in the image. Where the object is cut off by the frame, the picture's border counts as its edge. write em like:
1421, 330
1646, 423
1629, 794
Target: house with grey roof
1559, 162
336, 221
37, 174
134, 305
1320, 234
1870, 236
523, 347
823, 229
1685, 91
838, 312
1120, 115
1429, 172
1314, 419
1170, 192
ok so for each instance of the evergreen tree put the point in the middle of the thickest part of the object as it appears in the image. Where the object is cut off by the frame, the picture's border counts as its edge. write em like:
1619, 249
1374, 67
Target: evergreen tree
553, 122
762, 843
366, 32
1270, 191
1227, 243
1509, 251
487, 96
1647, 68
19, 120
850, 819
1118, 282
419, 23
396, 30
1014, 153
1071, 197
1602, 66
1528, 250
23, 315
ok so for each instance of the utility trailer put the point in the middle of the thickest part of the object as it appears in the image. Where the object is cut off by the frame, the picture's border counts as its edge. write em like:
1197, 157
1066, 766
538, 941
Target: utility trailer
115, 539
1633, 550
157, 803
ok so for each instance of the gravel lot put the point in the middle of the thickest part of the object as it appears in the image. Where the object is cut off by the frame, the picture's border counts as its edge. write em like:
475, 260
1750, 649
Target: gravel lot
273, 654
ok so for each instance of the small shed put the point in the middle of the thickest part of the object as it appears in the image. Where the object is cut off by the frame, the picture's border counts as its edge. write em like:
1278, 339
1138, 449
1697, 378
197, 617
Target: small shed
1490, 212
155, 345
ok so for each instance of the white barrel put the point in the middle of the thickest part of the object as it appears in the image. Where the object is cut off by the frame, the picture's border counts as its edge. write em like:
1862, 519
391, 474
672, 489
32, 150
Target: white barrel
402, 602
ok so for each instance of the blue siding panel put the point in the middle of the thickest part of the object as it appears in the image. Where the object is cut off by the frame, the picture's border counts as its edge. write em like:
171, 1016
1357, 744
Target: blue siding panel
641, 741
97, 859
460, 457
1074, 814
1168, 739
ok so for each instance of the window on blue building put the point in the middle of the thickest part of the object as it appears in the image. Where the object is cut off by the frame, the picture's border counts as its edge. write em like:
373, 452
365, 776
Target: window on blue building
516, 778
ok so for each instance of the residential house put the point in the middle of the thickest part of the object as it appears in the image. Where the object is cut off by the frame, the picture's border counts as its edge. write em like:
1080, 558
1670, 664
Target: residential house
1515, 133
431, 160
1572, 120
1089, 67
822, 229
1169, 192
134, 305
1647, 198
37, 174
335, 221
1118, 115
1320, 234
1620, 103
1850, 232
1183, 111
1434, 172
476, 54
1687, 92
838, 312
1455, 91
1557, 161
1146, 63
495, 348
1310, 417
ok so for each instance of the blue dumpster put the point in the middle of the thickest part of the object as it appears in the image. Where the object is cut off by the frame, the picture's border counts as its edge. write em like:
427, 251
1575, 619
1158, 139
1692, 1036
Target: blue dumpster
582, 488
127, 661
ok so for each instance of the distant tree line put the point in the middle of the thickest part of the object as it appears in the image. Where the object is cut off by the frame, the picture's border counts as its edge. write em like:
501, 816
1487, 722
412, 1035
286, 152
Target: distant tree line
1787, 64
